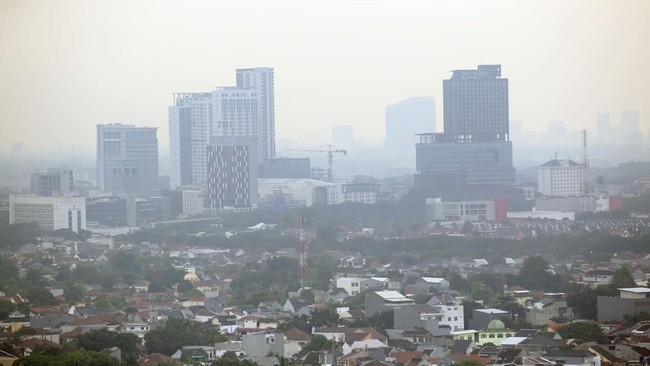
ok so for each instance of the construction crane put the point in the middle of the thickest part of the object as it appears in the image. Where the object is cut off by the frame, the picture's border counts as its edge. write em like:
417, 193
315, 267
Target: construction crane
330, 158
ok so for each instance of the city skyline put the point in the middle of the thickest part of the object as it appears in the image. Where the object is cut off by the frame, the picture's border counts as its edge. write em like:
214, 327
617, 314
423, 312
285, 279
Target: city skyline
71, 68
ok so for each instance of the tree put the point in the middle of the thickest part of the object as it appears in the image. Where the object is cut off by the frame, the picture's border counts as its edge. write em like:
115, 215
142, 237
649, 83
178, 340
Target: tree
230, 359
6, 308
99, 339
586, 331
467, 363
623, 278
8, 272
80, 357
323, 316
317, 343
382, 321
178, 332
40, 296
73, 293
535, 274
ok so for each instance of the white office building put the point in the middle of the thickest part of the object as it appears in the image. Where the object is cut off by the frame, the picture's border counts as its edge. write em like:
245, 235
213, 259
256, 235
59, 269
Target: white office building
246, 109
559, 178
50, 213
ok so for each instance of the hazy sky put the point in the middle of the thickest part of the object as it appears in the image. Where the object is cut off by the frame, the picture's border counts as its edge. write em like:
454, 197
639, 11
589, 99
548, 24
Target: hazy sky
69, 65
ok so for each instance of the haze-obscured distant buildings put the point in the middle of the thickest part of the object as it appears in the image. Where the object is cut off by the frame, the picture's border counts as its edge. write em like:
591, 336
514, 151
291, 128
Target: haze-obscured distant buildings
627, 133
474, 154
127, 159
49, 213
246, 109
407, 118
55, 182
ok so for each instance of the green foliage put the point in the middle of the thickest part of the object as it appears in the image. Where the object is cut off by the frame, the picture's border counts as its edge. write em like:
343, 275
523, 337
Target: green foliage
108, 303
467, 363
535, 274
6, 308
8, 273
324, 316
230, 359
34, 278
99, 339
94, 274
73, 293
12, 237
623, 278
40, 296
641, 316
76, 358
588, 332
584, 301
317, 343
382, 321
128, 266
178, 332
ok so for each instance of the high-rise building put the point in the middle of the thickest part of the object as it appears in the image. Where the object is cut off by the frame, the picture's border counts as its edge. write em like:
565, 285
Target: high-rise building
127, 159
247, 109
472, 159
407, 118
56, 182
559, 178
630, 128
232, 171
476, 104
50, 213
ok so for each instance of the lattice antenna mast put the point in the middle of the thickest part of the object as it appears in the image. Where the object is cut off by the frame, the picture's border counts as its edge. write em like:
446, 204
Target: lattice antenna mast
584, 166
302, 256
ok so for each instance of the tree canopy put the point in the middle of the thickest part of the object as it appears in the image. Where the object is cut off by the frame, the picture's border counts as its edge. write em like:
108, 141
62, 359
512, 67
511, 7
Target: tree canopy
179, 332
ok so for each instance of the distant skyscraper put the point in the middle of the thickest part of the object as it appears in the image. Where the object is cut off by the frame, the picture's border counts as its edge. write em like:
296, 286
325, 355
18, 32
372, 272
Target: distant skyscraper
474, 154
56, 182
232, 171
630, 128
127, 159
407, 118
247, 109
476, 104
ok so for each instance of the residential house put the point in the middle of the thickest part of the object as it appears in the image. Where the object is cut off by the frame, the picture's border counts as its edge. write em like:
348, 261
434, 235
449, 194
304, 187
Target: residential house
597, 277
260, 344
546, 309
294, 340
379, 301
420, 316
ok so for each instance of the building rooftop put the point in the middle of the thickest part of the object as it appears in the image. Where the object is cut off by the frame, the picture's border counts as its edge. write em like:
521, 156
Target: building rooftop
638, 290
560, 163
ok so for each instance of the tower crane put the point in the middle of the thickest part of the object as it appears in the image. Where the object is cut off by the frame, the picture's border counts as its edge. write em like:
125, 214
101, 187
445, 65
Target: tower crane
330, 158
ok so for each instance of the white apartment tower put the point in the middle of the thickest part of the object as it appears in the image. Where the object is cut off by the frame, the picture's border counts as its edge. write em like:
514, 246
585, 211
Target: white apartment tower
246, 109
559, 178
